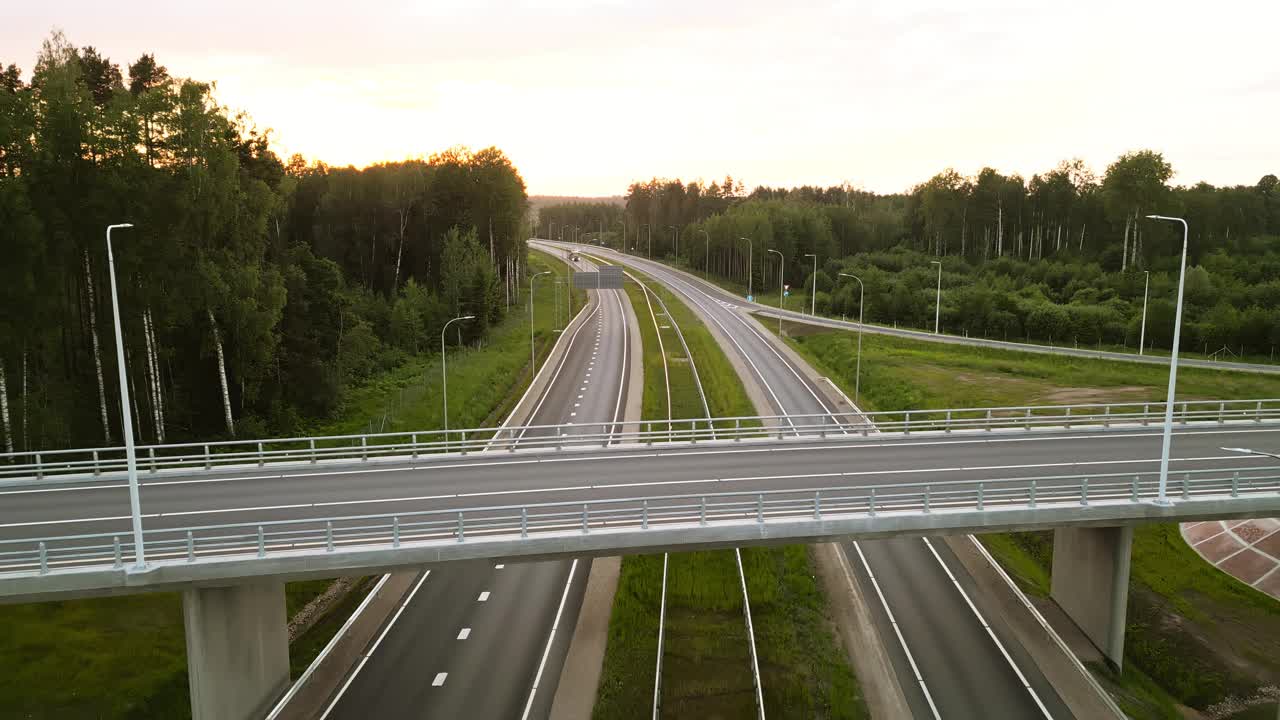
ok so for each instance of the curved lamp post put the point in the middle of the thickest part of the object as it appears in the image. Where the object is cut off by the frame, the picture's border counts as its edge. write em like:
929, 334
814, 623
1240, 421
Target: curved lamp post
533, 358
937, 303
857, 373
749, 275
813, 304
130, 453
444, 369
1173, 364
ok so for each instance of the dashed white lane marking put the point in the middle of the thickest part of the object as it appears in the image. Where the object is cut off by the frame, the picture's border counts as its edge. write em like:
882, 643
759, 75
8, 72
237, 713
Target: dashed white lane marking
573, 414
484, 597
579, 397
464, 633
439, 679
499, 566
578, 404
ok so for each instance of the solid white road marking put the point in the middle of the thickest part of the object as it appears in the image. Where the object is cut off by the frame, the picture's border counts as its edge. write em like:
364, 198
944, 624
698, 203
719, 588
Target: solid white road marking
408, 599
484, 597
982, 621
550, 639
439, 679
464, 633
915, 669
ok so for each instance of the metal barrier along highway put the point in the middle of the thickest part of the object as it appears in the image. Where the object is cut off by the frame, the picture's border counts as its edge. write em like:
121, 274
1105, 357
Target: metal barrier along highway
375, 447
654, 520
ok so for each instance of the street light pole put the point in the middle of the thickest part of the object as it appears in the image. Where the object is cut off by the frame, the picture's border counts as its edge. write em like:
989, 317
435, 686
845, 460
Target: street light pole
1167, 440
130, 453
749, 278
782, 274
533, 358
444, 372
857, 373
1146, 287
937, 303
813, 303
675, 241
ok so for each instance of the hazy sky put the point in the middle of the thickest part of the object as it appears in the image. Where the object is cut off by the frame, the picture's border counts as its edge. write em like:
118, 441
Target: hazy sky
585, 96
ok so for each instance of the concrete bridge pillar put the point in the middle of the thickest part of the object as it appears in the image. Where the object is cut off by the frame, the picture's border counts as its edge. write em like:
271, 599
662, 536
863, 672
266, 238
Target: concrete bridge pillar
237, 649
1091, 583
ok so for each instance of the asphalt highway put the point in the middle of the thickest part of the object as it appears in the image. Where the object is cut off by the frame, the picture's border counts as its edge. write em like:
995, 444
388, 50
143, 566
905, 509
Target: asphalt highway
965, 672
476, 638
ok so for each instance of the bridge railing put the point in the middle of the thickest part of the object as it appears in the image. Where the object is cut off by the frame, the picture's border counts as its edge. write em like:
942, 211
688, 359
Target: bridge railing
410, 446
508, 523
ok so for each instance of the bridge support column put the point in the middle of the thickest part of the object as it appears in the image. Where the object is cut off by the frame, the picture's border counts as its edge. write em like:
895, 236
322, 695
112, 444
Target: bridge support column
237, 649
1091, 583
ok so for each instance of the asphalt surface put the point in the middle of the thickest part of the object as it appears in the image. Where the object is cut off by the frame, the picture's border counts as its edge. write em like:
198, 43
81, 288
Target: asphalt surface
475, 636
720, 294
968, 674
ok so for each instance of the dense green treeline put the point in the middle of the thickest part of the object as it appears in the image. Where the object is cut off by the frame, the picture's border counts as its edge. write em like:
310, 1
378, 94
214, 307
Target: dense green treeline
578, 221
252, 290
1060, 258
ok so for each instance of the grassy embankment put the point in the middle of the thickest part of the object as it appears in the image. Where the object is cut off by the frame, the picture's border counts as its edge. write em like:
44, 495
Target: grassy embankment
706, 669
1195, 634
125, 657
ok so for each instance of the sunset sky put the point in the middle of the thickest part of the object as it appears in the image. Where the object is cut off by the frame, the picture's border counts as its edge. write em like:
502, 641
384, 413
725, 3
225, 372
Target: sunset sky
586, 96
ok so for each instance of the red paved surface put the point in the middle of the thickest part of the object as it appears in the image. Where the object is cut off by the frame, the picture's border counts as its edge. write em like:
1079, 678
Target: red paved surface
1249, 550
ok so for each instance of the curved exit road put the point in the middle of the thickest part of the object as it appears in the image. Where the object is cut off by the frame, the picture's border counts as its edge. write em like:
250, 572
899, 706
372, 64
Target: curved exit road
475, 637
964, 671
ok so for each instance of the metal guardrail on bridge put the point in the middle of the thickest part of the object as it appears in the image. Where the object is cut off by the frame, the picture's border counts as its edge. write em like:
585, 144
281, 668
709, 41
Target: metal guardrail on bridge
373, 447
515, 523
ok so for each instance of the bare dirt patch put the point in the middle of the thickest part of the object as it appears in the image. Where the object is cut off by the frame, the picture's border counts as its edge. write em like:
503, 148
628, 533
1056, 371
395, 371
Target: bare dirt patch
1086, 395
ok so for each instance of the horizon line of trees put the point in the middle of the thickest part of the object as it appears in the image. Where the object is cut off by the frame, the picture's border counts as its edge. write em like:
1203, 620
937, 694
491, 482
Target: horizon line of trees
252, 290
1058, 258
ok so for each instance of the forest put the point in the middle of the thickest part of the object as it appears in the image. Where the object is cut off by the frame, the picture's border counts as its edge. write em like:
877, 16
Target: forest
1063, 257
253, 290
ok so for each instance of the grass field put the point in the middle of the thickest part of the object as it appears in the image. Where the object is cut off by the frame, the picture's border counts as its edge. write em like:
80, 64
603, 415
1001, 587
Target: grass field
707, 671
125, 657
1195, 635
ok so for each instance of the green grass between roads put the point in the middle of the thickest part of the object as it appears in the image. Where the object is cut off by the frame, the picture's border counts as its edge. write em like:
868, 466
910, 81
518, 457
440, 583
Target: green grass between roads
125, 657
1195, 635
707, 671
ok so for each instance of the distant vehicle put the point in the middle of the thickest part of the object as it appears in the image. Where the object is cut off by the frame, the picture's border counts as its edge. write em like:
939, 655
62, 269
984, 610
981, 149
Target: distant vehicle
573, 257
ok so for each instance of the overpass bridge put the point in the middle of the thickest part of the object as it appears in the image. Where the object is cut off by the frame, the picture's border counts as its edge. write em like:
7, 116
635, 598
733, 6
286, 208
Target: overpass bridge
309, 507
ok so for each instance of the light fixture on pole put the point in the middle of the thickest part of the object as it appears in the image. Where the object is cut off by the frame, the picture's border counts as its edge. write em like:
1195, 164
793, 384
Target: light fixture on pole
444, 372
813, 303
1247, 451
533, 358
782, 274
857, 373
1167, 440
130, 453
1146, 287
675, 239
937, 303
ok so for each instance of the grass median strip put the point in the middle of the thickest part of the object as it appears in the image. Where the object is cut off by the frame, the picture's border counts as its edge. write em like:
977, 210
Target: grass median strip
125, 657
1196, 636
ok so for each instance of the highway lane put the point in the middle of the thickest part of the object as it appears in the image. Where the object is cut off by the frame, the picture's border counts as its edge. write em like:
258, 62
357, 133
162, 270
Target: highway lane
722, 295
476, 636
971, 673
